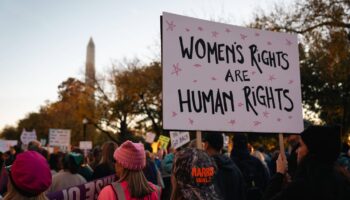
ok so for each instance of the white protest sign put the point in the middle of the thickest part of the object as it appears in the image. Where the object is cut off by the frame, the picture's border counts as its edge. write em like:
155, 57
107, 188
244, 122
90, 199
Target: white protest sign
220, 77
85, 145
178, 139
150, 137
59, 137
6, 144
28, 136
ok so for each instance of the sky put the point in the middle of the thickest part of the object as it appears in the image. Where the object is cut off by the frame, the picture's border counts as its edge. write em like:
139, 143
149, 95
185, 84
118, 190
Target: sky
42, 43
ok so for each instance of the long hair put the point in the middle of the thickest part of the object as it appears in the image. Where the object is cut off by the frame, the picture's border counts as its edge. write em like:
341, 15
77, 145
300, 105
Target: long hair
107, 153
138, 185
12, 193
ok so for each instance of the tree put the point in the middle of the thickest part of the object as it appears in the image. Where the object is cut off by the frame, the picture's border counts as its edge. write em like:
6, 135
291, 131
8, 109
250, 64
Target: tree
324, 29
10, 133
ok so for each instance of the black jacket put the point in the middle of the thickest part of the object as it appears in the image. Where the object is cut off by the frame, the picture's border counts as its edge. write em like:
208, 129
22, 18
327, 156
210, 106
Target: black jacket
313, 180
228, 181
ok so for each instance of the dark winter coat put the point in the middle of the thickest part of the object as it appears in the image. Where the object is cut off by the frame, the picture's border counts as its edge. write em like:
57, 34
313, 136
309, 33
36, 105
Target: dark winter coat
229, 180
313, 180
255, 174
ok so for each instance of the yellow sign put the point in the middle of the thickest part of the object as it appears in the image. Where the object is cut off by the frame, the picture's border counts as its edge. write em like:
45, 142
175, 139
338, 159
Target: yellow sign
163, 141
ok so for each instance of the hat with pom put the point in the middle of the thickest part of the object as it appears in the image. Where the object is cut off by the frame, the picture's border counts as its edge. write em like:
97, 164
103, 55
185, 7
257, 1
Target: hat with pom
30, 174
323, 142
131, 155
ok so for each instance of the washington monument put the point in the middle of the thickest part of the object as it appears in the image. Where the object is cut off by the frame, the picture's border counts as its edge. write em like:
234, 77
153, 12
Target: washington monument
90, 65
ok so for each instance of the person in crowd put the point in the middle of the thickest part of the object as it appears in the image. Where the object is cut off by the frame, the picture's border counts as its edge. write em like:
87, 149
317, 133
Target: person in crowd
257, 154
254, 172
151, 170
55, 162
167, 162
94, 157
84, 170
34, 145
193, 175
317, 175
293, 141
106, 165
29, 177
228, 180
69, 176
130, 159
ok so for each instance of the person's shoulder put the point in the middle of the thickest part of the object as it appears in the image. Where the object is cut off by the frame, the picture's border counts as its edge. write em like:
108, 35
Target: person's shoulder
107, 193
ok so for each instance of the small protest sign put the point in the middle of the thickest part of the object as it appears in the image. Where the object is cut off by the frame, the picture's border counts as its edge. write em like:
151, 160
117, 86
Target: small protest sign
59, 137
150, 137
179, 139
28, 136
85, 145
163, 141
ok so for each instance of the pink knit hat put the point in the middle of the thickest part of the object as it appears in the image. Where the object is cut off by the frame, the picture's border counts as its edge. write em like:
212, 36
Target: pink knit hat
131, 155
30, 174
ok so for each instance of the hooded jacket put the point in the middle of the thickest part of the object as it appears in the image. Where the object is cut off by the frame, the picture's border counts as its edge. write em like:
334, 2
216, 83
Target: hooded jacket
313, 180
228, 181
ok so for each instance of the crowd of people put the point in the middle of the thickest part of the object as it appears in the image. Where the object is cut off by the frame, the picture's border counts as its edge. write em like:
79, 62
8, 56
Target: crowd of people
313, 167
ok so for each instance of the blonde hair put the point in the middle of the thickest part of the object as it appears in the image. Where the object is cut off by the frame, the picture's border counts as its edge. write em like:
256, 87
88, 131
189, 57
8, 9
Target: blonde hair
12, 193
138, 185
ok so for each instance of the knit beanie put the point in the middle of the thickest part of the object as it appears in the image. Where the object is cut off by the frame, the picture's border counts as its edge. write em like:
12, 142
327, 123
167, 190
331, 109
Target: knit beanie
30, 174
323, 142
131, 155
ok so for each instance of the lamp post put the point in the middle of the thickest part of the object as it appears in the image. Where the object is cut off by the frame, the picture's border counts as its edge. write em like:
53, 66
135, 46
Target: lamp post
85, 121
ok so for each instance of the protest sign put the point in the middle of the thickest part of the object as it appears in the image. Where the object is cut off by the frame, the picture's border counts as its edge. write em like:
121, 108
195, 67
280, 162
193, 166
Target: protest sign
150, 137
220, 77
87, 191
6, 144
28, 136
85, 145
163, 141
178, 138
59, 137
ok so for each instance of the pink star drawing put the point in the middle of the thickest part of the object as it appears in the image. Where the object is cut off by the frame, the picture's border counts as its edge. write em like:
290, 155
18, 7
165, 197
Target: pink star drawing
272, 77
187, 29
279, 119
290, 117
266, 114
243, 37
240, 104
194, 81
213, 78
197, 65
288, 42
200, 28
256, 123
253, 72
171, 26
269, 43
177, 69
232, 122
291, 81
257, 34
191, 121
227, 30
173, 114
214, 34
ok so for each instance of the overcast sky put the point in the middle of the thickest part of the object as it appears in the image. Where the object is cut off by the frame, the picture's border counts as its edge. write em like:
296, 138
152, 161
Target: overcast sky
42, 43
